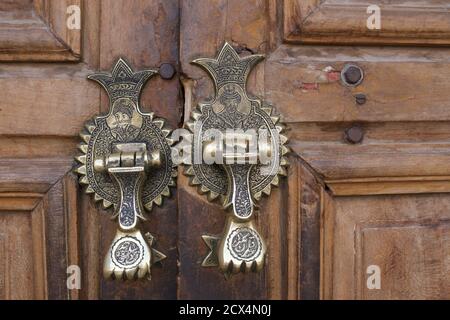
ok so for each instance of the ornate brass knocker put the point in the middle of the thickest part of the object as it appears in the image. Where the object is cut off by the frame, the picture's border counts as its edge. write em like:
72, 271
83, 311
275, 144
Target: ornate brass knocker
126, 163
239, 176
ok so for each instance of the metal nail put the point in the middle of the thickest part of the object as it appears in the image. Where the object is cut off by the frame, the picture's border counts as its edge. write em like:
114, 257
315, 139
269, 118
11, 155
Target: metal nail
166, 71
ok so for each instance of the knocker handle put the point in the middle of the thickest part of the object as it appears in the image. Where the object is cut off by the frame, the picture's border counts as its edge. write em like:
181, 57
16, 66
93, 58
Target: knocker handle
239, 195
130, 182
128, 165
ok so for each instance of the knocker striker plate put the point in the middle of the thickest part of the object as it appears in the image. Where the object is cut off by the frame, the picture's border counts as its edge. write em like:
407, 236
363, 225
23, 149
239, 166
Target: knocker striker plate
238, 185
126, 163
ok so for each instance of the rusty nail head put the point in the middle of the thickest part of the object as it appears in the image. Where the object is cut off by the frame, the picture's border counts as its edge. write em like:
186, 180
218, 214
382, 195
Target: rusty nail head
354, 135
352, 75
360, 98
166, 71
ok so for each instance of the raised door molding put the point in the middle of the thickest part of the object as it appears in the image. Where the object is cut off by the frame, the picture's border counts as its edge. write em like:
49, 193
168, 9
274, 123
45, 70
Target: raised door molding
345, 22
37, 31
38, 228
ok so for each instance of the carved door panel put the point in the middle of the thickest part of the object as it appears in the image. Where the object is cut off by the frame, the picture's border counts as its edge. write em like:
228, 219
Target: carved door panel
366, 197
46, 221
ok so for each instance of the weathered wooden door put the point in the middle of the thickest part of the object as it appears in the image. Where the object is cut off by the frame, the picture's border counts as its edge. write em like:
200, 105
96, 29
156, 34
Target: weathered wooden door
368, 202
361, 203
46, 222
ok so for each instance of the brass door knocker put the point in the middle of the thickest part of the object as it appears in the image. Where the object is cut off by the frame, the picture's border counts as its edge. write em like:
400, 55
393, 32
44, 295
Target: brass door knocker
126, 163
245, 139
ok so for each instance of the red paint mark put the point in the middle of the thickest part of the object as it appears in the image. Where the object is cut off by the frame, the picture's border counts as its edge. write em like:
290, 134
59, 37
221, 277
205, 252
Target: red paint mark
310, 86
333, 76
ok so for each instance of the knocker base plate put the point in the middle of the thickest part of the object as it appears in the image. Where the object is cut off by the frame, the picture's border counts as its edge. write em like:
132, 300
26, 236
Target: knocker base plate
238, 184
126, 163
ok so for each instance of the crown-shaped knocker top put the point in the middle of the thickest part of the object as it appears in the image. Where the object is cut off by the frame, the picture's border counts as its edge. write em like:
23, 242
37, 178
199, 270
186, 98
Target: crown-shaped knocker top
126, 163
229, 67
123, 82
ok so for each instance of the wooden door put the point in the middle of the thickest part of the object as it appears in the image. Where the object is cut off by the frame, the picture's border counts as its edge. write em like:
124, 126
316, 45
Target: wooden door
348, 207
344, 208
46, 222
